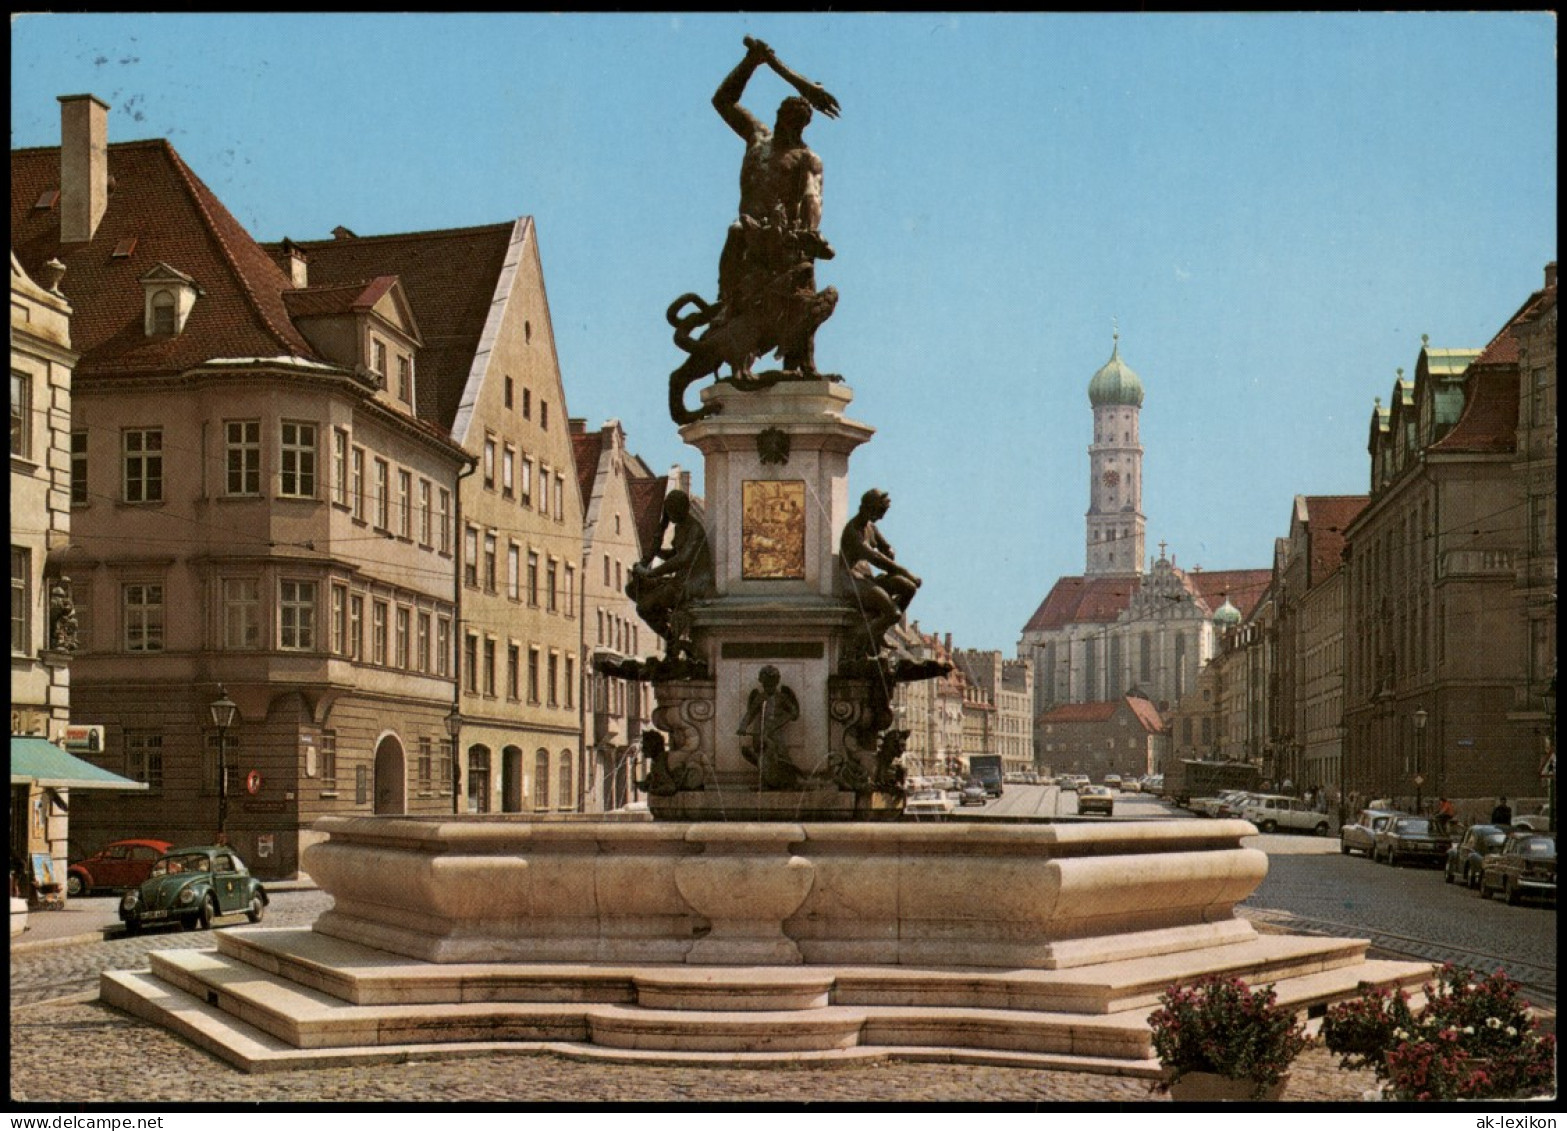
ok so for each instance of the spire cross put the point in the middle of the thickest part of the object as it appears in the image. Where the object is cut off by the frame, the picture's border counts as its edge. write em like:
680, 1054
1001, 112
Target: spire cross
1162, 545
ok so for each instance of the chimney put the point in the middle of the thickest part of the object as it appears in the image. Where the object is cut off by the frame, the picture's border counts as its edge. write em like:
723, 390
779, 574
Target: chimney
84, 166
295, 263
1550, 274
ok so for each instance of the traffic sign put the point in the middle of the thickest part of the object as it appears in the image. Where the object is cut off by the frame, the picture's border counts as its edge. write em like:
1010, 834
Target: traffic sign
253, 782
1548, 770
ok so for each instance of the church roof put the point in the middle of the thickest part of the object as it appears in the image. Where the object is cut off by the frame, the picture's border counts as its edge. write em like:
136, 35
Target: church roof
1243, 587
1115, 383
1079, 600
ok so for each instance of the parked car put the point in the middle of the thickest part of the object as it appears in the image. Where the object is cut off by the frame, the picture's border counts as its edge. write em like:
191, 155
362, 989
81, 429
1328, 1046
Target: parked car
1095, 799
1231, 803
118, 865
1112, 781
973, 794
193, 886
928, 803
1410, 838
1273, 811
1524, 865
1070, 781
1361, 833
1466, 856
1131, 785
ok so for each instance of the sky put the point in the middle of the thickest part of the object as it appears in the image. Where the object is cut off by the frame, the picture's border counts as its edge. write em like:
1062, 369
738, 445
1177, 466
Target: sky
1271, 210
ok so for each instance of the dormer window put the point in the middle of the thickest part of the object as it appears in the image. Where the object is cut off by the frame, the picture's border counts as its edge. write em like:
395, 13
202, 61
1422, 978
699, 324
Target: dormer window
170, 296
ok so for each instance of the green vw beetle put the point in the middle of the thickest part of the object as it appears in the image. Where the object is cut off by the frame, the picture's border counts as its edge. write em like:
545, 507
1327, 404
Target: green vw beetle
193, 886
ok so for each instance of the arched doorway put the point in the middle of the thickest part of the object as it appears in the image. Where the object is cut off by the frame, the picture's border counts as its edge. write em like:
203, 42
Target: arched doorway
511, 780
478, 779
391, 786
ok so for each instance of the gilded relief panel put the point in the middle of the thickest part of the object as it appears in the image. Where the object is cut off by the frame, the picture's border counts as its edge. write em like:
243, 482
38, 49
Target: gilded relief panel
772, 530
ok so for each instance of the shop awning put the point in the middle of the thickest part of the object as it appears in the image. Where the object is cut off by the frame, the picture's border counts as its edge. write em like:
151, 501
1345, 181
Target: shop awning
37, 760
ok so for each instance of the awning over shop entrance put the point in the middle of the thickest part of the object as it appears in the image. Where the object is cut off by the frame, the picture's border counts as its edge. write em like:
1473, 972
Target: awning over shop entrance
37, 760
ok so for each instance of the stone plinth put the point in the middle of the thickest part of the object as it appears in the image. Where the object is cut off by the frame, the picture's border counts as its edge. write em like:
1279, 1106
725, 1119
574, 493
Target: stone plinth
779, 893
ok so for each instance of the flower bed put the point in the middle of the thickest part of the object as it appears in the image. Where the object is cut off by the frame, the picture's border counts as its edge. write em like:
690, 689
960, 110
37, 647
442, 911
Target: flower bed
1220, 1025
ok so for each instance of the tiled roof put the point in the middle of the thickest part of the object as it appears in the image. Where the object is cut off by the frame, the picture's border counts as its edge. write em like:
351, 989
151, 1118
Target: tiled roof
1243, 587
449, 277
586, 448
1330, 516
1081, 712
337, 299
1077, 600
1146, 713
1490, 418
173, 217
647, 505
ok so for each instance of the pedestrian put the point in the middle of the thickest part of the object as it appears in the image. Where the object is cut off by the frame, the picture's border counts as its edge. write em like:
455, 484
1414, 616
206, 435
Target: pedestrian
1502, 814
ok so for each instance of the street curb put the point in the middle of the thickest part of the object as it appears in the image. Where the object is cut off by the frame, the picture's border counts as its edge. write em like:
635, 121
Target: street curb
66, 940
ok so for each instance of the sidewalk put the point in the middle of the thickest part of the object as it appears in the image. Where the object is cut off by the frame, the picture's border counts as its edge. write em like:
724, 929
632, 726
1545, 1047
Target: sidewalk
86, 919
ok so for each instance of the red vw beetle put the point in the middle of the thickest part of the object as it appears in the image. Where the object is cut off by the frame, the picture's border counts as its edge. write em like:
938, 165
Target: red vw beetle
117, 865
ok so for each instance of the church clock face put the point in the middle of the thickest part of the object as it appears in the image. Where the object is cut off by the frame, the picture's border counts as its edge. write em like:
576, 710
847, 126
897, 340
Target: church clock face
1111, 478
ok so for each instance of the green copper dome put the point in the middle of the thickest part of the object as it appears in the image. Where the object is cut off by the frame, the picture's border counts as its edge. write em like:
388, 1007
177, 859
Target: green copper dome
1227, 615
1115, 383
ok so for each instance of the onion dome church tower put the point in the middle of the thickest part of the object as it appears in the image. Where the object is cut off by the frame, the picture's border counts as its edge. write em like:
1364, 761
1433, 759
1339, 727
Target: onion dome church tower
1115, 499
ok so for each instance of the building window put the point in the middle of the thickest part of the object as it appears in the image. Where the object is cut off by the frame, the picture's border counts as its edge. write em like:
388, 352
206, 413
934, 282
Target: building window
489, 562
443, 646
243, 454
356, 627
241, 613
541, 777
297, 616
404, 616
513, 671
470, 660
489, 464
506, 394
422, 643
544, 490
405, 380
606, 571
563, 803
143, 464
508, 471
21, 600
424, 763
340, 467
549, 585
163, 312
78, 468
383, 495
378, 349
525, 496
553, 680
527, 404
533, 675
297, 460
21, 415
571, 590
544, 414
143, 617
533, 578
339, 620
560, 496
358, 478
424, 513
470, 565
361, 785
570, 683
445, 515
378, 632
405, 504
144, 757
514, 571
489, 666
329, 759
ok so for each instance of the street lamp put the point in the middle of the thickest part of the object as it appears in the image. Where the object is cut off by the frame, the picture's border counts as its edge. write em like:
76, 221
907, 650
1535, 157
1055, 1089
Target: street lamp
223, 709
454, 729
1420, 755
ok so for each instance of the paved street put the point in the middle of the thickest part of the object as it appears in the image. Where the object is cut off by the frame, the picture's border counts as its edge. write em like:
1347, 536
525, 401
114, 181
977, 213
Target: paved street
67, 1049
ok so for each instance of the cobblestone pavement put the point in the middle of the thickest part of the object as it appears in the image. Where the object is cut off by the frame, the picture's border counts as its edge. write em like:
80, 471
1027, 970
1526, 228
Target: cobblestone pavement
87, 1053
45, 973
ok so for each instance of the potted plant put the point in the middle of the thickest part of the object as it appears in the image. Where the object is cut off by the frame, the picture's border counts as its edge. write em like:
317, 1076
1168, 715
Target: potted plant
1475, 1039
1218, 1039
